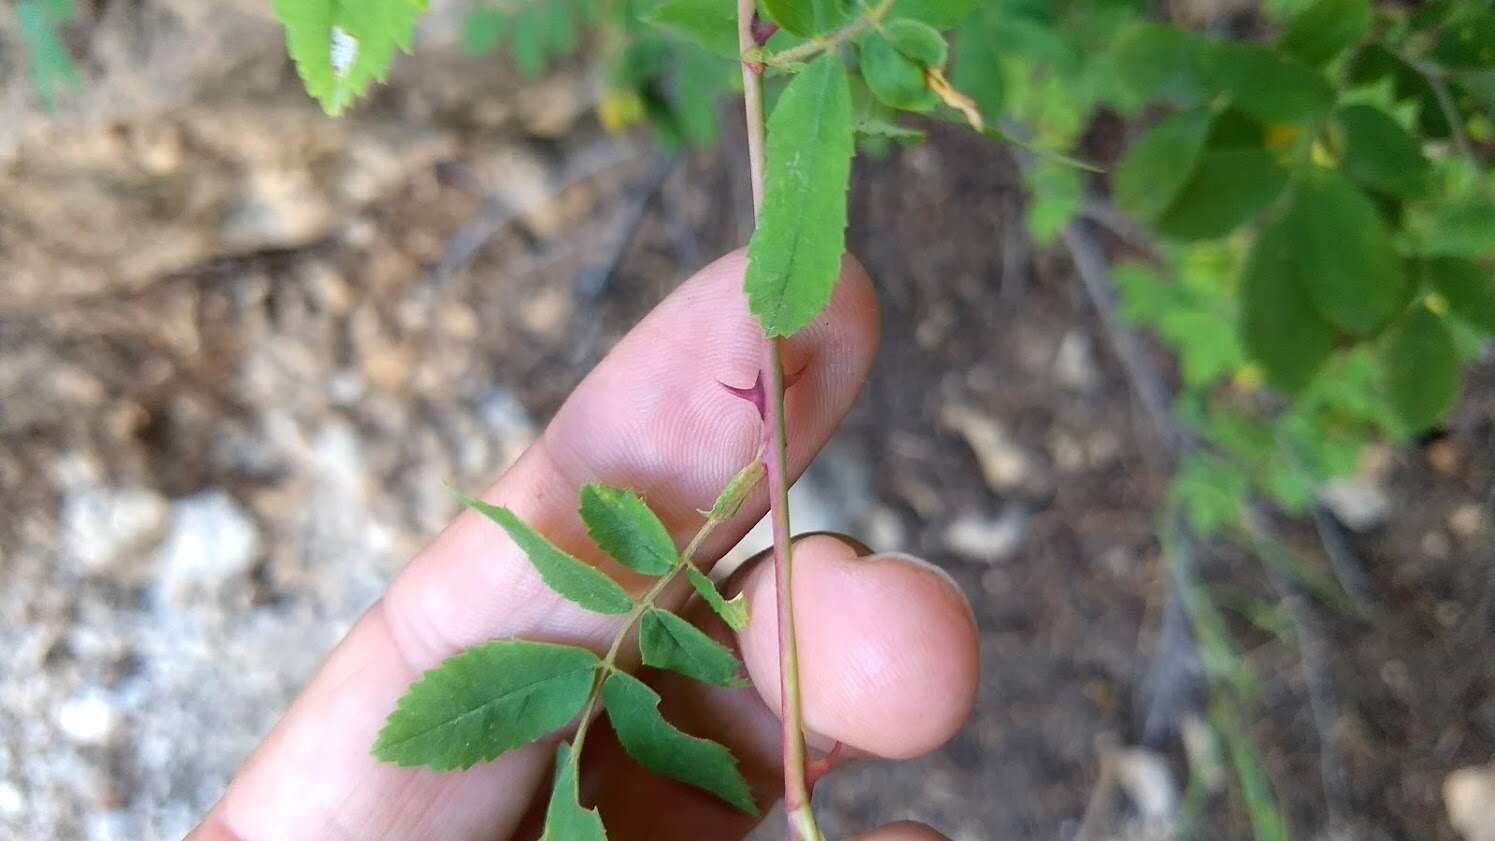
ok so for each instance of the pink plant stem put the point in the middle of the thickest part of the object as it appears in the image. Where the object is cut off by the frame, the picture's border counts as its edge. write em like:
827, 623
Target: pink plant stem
800, 818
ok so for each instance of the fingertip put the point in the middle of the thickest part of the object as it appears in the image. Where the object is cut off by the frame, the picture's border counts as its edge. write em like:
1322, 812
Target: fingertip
888, 647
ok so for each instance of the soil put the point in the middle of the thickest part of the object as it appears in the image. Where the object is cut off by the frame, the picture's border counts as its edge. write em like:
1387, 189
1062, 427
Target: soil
316, 385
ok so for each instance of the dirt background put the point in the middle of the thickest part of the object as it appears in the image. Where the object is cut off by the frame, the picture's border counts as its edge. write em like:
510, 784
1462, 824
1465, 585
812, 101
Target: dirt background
243, 347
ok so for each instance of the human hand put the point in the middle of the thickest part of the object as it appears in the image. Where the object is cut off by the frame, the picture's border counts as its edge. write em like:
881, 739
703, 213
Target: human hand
887, 644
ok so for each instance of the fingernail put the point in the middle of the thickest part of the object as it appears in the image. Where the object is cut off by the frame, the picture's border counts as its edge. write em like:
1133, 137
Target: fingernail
915, 560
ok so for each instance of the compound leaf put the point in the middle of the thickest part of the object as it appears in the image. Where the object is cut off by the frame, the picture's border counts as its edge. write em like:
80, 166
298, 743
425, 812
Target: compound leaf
669, 642
633, 710
625, 528
569, 576
489, 699
794, 257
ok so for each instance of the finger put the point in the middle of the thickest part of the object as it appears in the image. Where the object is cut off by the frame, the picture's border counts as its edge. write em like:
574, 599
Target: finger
889, 667
653, 417
903, 831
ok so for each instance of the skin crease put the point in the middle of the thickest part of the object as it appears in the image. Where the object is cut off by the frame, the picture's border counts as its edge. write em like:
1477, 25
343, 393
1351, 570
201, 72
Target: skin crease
888, 647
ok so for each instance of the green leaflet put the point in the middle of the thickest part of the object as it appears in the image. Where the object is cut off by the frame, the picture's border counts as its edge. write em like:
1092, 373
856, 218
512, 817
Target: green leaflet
796, 16
940, 14
489, 699
895, 78
921, 42
1156, 61
565, 819
53, 72
1265, 85
633, 710
570, 577
1227, 189
1210, 491
794, 257
1279, 325
1379, 153
894, 63
1345, 254
669, 642
625, 528
1159, 163
1327, 27
976, 69
710, 23
1422, 369
1468, 287
733, 611
729, 502
341, 47
1468, 44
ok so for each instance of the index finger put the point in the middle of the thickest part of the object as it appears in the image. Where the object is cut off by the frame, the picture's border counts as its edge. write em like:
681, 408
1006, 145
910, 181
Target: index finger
652, 417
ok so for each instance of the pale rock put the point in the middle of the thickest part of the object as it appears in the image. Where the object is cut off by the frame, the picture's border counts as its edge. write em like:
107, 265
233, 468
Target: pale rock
988, 539
522, 181
1005, 465
104, 527
1074, 362
280, 209
1148, 783
546, 310
389, 367
1436, 545
1360, 502
12, 800
1469, 797
88, 718
507, 421
884, 530
1467, 520
550, 107
211, 540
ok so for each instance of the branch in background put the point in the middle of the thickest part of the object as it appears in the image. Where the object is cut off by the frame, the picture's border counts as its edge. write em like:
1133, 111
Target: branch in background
593, 280
497, 213
1318, 682
1446, 104
1170, 680
1349, 571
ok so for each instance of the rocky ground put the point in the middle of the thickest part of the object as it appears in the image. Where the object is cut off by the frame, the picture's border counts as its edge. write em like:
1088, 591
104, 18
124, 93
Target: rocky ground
242, 348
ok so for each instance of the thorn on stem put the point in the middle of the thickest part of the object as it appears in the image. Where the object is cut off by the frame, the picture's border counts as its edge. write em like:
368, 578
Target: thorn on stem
757, 394
763, 30
817, 768
754, 394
